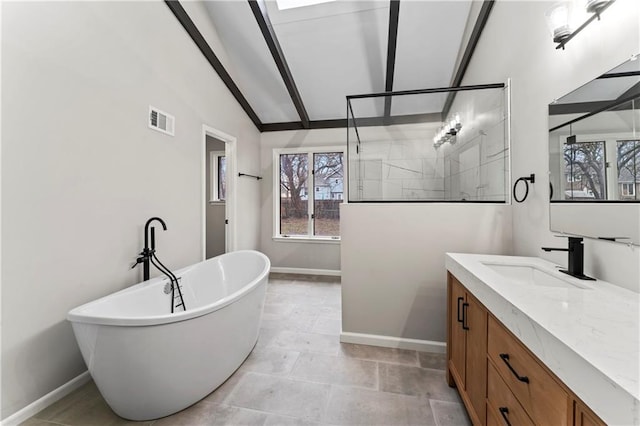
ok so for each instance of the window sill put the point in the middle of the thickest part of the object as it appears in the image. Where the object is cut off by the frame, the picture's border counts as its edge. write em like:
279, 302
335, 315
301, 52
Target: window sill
216, 202
317, 240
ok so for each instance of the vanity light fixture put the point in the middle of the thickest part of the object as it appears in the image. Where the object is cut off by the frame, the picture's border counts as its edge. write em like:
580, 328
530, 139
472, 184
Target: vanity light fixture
562, 14
448, 132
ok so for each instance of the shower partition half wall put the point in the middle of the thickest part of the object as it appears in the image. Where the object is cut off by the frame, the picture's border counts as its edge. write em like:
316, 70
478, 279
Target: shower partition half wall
429, 178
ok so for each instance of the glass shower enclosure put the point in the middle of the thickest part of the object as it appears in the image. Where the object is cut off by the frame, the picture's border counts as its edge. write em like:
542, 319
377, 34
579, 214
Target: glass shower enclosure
431, 145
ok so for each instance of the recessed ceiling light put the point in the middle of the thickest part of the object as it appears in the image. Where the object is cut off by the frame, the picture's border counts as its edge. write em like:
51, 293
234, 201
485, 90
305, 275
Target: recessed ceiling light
290, 4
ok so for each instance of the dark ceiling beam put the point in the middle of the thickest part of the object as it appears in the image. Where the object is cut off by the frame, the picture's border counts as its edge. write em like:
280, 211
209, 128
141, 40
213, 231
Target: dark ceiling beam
481, 21
362, 122
259, 9
184, 19
392, 42
586, 107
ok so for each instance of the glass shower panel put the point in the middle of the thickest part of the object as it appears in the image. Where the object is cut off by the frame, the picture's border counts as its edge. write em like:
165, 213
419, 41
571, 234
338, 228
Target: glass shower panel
451, 146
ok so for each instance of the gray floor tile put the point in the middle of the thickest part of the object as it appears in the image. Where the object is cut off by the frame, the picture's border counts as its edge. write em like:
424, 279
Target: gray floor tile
290, 322
325, 325
277, 420
375, 353
352, 406
306, 342
266, 336
432, 360
449, 413
210, 414
35, 422
416, 381
270, 361
280, 396
221, 393
85, 407
336, 370
293, 299
277, 309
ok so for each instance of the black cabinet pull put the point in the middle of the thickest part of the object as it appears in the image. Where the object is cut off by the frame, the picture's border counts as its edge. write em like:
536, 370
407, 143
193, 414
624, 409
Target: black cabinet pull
503, 412
505, 358
460, 299
464, 316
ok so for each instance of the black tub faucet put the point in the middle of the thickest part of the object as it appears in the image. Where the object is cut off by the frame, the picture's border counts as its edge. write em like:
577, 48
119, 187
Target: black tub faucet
575, 266
147, 252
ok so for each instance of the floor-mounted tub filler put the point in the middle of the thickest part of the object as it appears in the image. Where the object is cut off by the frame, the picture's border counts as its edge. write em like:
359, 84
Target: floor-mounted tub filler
149, 363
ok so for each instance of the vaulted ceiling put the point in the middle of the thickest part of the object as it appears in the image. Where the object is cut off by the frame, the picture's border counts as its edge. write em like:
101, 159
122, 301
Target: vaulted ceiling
293, 68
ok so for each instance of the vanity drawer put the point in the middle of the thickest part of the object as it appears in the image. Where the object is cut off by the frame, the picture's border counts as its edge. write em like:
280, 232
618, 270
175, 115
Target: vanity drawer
502, 406
542, 397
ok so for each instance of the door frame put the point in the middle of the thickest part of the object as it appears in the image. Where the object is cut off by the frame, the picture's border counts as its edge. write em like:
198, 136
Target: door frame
230, 143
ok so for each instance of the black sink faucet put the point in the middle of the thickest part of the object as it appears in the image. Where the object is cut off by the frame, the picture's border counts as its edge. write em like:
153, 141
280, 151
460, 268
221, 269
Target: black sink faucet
147, 252
575, 266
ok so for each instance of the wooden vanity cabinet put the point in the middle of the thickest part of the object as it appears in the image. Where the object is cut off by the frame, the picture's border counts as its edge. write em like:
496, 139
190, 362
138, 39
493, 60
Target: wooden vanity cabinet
500, 381
467, 349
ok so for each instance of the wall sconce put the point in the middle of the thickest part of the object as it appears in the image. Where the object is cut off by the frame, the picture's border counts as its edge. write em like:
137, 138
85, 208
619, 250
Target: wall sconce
448, 132
561, 16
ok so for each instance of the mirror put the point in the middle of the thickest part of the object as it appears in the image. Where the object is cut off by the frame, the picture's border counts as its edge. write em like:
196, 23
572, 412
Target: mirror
594, 157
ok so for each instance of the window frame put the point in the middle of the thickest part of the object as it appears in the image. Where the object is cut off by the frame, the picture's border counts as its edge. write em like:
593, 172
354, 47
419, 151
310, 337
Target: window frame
214, 161
310, 151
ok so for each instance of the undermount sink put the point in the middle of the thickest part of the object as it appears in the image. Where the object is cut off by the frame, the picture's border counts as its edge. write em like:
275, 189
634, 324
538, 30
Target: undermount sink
532, 275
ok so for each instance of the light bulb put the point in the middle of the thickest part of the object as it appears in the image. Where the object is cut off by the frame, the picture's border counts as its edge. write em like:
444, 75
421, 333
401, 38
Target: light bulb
558, 21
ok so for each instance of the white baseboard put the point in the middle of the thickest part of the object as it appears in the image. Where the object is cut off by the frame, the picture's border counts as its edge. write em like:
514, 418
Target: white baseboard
305, 271
393, 342
50, 398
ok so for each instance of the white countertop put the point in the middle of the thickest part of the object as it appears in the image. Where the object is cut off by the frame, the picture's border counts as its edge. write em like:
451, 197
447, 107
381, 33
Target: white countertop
590, 338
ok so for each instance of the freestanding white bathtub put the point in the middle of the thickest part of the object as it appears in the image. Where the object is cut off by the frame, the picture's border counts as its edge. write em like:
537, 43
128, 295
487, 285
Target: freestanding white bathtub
149, 363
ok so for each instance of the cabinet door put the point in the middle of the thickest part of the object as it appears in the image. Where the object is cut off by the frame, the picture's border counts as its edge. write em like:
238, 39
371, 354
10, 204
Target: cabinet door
475, 323
457, 336
584, 417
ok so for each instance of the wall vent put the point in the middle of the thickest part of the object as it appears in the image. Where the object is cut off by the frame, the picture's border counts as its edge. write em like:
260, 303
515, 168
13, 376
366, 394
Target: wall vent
161, 121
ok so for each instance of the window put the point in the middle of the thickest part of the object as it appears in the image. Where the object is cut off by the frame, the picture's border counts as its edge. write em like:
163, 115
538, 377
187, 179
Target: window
585, 165
218, 166
627, 189
311, 187
628, 162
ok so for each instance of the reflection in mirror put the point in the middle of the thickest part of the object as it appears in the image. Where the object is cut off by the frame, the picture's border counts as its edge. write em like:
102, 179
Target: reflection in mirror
594, 157
593, 145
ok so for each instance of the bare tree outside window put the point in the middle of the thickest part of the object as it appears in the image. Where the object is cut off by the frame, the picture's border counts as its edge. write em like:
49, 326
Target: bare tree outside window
306, 211
328, 193
628, 155
585, 171
294, 173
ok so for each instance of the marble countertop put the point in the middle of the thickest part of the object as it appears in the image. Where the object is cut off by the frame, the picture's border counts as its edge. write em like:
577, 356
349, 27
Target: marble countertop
590, 338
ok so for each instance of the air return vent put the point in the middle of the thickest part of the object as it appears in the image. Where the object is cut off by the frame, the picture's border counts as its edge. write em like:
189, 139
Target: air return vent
161, 121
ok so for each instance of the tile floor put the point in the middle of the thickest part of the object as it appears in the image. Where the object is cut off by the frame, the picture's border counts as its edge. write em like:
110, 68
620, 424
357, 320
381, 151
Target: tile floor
300, 374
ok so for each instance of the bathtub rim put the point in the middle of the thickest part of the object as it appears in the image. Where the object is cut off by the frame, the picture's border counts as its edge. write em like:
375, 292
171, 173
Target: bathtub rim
76, 316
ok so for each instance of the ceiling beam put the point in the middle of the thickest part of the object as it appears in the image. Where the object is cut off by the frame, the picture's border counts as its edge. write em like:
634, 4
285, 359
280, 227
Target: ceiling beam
184, 19
259, 9
362, 122
394, 14
481, 21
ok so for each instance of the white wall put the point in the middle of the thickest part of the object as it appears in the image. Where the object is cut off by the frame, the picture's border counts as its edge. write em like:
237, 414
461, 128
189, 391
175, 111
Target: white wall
516, 44
393, 262
290, 254
82, 172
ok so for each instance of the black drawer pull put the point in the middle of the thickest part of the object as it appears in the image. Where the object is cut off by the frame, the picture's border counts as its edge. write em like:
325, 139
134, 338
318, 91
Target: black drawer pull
503, 412
464, 316
505, 358
460, 299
